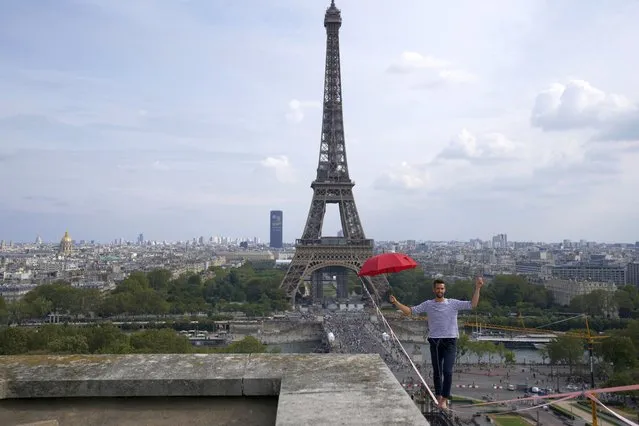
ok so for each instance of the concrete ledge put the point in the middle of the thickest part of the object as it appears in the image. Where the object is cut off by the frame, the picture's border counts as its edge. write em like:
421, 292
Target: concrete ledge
313, 389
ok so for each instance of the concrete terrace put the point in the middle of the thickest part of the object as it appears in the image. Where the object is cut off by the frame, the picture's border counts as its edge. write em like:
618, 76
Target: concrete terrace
310, 389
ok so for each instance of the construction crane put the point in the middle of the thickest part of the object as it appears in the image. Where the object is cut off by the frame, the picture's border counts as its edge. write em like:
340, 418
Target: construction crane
587, 336
524, 330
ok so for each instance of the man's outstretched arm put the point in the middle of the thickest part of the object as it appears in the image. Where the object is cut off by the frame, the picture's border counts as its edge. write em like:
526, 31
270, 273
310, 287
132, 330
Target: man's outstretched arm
405, 309
479, 282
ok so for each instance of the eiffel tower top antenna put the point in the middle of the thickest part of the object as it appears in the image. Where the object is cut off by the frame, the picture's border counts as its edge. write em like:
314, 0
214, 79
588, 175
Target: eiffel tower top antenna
333, 15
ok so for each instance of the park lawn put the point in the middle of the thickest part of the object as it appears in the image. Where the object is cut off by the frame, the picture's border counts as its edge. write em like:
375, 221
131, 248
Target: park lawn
510, 421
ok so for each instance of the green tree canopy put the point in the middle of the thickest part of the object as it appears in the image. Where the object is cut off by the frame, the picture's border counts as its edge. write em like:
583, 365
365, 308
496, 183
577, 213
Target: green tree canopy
618, 350
567, 350
4, 311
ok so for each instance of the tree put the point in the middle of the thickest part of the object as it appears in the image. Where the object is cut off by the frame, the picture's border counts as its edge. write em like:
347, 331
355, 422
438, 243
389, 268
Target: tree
140, 277
4, 312
85, 302
134, 296
411, 286
508, 289
463, 344
19, 311
491, 350
132, 284
501, 351
625, 378
107, 339
41, 338
247, 345
160, 341
625, 304
480, 348
62, 298
462, 290
57, 294
566, 350
73, 344
156, 293
13, 340
149, 302
159, 279
620, 351
543, 353
627, 299
254, 290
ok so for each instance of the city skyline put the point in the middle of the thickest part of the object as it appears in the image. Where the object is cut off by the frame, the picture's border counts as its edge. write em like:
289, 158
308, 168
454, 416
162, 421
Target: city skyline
39, 239
184, 135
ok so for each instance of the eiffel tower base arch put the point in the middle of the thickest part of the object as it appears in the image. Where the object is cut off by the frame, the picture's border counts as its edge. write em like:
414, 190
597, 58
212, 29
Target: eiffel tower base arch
309, 261
337, 274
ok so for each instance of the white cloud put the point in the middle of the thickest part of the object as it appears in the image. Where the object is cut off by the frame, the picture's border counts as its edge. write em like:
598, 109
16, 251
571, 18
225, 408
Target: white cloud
413, 61
456, 76
429, 71
297, 109
578, 104
491, 163
282, 166
490, 146
402, 176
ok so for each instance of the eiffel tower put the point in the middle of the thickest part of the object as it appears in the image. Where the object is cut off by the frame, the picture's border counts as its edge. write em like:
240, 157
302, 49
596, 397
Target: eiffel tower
315, 254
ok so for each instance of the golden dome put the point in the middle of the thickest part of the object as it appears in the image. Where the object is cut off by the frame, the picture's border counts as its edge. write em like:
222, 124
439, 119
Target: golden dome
66, 237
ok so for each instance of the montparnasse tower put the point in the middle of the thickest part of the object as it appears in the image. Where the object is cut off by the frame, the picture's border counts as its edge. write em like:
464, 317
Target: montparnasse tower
66, 244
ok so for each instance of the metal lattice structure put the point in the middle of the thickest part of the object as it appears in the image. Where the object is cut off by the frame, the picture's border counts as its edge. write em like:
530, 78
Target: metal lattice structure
332, 185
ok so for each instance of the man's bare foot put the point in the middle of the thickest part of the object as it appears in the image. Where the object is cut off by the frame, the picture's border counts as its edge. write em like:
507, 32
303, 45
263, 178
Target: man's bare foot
443, 404
439, 400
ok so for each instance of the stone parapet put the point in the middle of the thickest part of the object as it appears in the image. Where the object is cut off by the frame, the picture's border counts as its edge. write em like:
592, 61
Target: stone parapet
313, 389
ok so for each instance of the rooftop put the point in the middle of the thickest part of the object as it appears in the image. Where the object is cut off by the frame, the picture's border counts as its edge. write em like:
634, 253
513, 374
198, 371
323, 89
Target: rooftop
259, 389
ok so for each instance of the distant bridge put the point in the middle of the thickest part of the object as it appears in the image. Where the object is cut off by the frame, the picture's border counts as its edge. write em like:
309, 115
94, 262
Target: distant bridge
517, 341
537, 338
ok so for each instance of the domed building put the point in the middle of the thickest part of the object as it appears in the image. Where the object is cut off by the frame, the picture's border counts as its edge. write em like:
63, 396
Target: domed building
66, 244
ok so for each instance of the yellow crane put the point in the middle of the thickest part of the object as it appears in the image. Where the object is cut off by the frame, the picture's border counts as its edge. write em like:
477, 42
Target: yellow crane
524, 330
587, 336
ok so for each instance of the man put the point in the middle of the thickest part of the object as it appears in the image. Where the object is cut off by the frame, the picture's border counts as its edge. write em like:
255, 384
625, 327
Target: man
443, 333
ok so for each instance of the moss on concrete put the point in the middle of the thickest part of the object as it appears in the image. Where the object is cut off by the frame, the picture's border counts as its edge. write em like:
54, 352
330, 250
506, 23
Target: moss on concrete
360, 388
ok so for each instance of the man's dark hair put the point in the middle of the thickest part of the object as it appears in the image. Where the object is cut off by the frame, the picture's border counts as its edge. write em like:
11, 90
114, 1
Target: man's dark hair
438, 281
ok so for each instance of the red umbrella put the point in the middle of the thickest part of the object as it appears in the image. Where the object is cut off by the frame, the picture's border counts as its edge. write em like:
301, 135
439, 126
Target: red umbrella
386, 263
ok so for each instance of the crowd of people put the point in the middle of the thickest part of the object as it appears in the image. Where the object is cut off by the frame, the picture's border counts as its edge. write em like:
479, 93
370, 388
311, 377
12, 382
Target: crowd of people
355, 333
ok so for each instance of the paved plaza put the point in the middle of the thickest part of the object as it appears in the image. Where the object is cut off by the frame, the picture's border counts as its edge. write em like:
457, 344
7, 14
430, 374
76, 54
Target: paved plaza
490, 383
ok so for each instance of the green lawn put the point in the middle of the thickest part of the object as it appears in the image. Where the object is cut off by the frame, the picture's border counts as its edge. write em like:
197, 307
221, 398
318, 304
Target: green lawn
510, 421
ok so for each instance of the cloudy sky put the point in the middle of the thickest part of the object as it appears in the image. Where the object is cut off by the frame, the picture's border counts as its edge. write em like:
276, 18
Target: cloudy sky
181, 118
